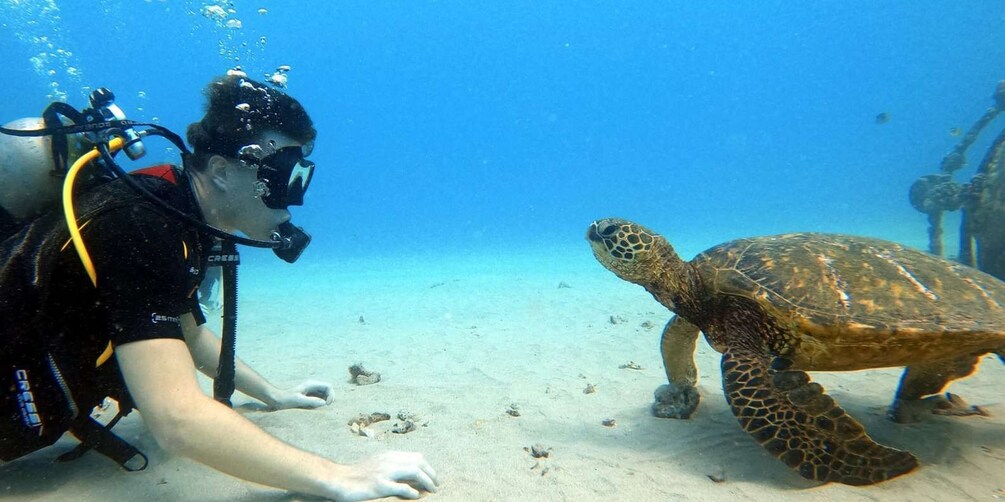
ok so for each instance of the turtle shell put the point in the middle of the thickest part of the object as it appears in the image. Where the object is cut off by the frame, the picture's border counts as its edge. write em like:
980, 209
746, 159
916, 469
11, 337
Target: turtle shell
859, 292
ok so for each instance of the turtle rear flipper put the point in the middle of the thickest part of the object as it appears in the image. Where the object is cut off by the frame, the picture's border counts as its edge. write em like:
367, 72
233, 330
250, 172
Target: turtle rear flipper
796, 422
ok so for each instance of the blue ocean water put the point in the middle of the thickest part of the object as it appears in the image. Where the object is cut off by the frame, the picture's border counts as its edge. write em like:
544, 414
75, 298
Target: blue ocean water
501, 127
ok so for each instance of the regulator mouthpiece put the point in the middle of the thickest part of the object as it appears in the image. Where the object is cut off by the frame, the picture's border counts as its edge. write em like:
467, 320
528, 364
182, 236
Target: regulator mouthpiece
292, 239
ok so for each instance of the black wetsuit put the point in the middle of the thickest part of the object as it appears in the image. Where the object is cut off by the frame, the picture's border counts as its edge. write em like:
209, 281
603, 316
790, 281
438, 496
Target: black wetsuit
55, 324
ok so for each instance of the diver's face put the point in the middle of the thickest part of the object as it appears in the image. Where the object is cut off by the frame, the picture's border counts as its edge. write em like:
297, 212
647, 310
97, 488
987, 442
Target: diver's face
252, 216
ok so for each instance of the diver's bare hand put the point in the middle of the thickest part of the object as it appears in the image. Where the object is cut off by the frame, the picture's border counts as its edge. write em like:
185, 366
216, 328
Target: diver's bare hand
309, 394
389, 474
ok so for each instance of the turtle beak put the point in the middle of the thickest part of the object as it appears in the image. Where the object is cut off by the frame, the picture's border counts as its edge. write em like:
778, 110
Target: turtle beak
592, 235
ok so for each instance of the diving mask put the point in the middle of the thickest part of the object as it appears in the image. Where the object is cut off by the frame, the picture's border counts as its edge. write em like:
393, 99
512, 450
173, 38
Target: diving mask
283, 175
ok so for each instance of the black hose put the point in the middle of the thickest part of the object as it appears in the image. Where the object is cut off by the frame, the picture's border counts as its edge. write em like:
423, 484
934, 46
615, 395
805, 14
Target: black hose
223, 384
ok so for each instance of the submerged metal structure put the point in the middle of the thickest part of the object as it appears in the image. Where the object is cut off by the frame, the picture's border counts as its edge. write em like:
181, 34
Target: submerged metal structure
981, 199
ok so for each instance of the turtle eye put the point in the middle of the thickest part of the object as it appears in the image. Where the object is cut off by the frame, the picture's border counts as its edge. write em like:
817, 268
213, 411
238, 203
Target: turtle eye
609, 230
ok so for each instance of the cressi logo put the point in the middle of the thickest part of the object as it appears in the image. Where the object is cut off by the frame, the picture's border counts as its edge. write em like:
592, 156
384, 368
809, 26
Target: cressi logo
26, 400
221, 258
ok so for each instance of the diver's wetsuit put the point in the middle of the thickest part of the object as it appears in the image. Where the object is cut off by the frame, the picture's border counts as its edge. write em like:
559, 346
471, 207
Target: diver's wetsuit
148, 266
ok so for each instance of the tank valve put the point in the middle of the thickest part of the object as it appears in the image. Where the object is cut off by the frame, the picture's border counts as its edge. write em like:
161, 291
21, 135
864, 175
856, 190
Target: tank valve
103, 102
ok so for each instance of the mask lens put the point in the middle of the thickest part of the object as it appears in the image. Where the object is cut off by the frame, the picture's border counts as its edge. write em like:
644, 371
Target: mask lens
299, 180
287, 174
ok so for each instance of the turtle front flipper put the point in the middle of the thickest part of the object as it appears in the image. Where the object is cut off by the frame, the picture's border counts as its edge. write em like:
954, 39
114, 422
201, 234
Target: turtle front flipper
926, 379
680, 397
796, 422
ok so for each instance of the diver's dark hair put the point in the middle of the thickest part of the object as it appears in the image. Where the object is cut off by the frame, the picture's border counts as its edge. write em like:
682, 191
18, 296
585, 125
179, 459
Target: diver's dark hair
240, 110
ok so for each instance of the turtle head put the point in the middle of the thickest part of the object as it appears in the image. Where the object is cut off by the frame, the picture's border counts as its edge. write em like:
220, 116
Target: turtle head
633, 252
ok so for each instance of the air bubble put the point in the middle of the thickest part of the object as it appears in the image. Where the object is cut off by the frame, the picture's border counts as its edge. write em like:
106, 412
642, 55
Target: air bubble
214, 12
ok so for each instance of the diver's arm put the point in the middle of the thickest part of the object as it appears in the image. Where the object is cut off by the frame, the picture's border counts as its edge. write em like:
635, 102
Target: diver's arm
161, 379
204, 346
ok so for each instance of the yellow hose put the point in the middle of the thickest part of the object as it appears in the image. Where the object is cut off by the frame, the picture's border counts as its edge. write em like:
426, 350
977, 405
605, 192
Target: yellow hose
71, 217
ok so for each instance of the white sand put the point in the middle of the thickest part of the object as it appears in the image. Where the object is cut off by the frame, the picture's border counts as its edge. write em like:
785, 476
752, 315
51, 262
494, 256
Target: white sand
459, 342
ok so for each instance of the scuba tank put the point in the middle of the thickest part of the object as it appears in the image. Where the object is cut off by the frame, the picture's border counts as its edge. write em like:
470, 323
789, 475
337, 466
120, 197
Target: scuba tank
31, 185
35, 153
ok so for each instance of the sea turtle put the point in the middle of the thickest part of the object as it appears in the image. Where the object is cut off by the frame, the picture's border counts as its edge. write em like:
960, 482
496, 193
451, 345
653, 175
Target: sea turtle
778, 306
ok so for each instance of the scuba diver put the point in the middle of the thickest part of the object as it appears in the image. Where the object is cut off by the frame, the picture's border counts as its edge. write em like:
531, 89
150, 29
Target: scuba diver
98, 300
981, 200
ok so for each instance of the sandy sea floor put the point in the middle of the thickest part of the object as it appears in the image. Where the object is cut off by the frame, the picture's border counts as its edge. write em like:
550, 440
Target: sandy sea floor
458, 342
